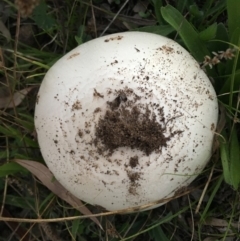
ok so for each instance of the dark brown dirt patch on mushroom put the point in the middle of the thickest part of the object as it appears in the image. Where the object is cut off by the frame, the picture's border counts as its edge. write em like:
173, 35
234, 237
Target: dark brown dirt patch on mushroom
133, 162
76, 105
133, 178
130, 127
130, 124
117, 101
132, 190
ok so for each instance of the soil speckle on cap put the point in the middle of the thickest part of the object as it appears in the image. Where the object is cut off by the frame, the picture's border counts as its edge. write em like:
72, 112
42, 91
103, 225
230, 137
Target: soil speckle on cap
133, 162
73, 55
76, 105
97, 94
112, 39
37, 99
133, 178
97, 110
117, 101
212, 127
80, 133
166, 49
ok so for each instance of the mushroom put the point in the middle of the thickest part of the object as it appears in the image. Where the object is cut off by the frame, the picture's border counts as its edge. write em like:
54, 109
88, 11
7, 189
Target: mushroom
126, 120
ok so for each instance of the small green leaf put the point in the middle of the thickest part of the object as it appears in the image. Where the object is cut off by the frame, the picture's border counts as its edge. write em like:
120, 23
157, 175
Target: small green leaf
42, 18
193, 9
11, 168
222, 33
145, 14
209, 33
78, 40
81, 37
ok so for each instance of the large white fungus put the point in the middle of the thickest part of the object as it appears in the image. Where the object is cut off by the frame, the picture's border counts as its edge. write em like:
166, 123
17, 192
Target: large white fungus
126, 120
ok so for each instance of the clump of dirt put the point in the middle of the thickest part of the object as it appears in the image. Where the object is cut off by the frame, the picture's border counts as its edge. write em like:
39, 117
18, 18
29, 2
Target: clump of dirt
133, 178
126, 125
133, 162
117, 101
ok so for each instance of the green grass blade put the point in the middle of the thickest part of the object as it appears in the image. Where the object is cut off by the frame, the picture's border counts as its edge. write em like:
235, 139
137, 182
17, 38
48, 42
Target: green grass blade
234, 159
181, 5
224, 152
45, 202
234, 81
188, 34
158, 234
165, 219
232, 84
10, 131
20, 202
217, 186
207, 5
163, 30
233, 7
157, 6
214, 10
75, 227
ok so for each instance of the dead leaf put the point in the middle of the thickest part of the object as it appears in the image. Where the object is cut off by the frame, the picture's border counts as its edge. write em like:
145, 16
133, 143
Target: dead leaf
47, 179
18, 97
210, 239
140, 6
229, 238
5, 32
216, 222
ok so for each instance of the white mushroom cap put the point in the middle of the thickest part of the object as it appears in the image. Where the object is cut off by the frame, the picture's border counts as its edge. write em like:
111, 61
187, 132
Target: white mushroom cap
126, 119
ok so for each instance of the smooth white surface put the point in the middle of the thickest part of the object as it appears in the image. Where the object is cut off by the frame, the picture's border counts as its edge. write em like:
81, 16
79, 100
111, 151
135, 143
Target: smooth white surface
169, 77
